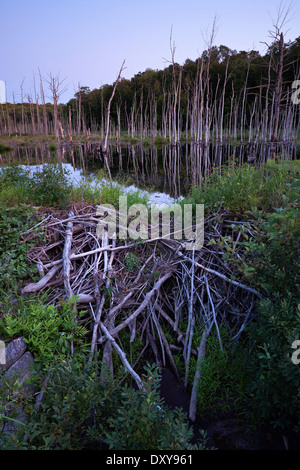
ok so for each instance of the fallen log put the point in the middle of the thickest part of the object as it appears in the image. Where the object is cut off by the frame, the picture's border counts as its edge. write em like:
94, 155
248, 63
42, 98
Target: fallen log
36, 286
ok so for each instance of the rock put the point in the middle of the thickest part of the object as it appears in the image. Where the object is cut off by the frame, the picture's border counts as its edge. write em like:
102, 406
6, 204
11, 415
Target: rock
18, 364
21, 369
13, 351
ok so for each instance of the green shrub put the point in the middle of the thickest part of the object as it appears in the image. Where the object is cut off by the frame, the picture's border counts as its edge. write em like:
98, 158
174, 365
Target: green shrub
144, 422
52, 147
47, 330
159, 140
50, 186
269, 258
224, 378
276, 381
77, 412
13, 249
73, 407
4, 148
242, 189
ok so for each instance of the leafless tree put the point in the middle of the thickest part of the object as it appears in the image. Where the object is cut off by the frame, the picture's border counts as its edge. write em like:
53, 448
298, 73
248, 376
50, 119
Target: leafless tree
109, 105
55, 85
43, 104
277, 34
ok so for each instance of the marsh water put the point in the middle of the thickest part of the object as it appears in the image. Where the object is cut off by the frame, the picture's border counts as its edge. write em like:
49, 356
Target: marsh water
165, 173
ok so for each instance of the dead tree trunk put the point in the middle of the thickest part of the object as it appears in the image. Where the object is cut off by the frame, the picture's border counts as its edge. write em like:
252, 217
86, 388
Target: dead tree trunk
278, 91
108, 107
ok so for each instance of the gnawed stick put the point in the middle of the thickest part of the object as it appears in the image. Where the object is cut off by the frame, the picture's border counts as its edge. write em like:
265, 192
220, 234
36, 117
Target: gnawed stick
197, 378
212, 271
122, 355
143, 305
107, 269
110, 248
167, 347
36, 286
66, 257
113, 311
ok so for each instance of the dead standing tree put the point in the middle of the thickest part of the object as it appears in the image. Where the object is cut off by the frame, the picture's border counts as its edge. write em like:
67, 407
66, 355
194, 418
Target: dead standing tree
104, 148
276, 64
45, 130
55, 85
174, 106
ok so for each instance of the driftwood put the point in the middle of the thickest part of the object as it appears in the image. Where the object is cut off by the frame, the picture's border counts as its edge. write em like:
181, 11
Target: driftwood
169, 290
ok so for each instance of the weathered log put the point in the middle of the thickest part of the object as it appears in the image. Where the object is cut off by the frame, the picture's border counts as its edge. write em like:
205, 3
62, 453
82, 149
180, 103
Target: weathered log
66, 257
36, 286
198, 373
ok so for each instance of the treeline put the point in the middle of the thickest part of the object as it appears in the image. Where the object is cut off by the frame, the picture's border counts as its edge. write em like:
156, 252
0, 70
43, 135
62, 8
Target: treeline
224, 94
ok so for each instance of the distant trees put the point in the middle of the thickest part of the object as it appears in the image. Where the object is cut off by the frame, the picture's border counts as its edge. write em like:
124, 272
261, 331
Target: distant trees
224, 94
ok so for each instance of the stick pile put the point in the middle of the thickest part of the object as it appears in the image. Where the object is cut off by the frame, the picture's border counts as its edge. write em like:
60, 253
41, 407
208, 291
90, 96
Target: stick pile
149, 287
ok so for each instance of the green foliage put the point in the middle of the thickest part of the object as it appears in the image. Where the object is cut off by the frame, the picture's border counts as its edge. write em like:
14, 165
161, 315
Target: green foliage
144, 422
222, 387
224, 375
241, 189
78, 412
52, 147
4, 148
269, 259
47, 330
132, 263
159, 140
13, 250
104, 192
276, 267
50, 186
276, 381
73, 407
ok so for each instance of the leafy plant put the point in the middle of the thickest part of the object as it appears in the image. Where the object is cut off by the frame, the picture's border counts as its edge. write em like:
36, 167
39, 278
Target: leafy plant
276, 379
13, 249
144, 422
224, 376
73, 406
241, 189
47, 330
50, 186
132, 263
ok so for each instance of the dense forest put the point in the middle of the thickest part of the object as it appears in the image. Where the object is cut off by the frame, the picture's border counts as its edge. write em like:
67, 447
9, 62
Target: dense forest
222, 94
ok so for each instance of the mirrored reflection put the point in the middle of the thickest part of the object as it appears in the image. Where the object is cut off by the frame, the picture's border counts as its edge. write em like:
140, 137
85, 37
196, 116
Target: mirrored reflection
167, 171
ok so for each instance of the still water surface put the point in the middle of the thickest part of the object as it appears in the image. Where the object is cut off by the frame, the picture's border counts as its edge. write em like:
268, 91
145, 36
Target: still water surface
165, 173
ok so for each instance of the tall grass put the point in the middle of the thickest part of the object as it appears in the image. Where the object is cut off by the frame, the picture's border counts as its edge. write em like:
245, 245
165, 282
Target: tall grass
52, 186
240, 189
